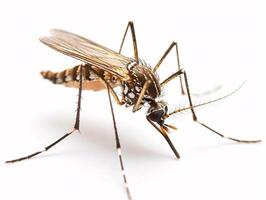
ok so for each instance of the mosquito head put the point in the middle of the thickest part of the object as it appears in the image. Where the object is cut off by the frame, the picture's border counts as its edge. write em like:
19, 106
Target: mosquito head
157, 112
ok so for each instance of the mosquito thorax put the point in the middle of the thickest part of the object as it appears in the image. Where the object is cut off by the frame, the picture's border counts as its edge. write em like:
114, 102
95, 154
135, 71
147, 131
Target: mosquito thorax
139, 74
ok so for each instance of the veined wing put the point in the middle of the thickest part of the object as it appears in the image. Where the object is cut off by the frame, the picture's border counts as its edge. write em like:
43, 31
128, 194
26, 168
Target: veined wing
88, 51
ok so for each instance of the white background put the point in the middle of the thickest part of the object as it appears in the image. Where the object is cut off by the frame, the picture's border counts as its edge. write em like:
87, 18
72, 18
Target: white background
221, 43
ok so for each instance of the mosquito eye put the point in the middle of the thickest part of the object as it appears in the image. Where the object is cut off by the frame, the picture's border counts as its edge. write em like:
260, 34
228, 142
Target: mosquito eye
156, 115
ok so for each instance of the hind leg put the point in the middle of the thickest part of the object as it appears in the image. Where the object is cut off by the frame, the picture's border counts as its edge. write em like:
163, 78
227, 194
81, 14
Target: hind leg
75, 128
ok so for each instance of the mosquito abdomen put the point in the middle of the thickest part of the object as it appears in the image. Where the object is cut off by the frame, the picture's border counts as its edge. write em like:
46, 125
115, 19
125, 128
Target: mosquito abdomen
70, 77
63, 76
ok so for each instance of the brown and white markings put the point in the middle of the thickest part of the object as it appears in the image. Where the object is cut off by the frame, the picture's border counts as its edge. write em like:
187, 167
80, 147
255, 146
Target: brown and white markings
106, 69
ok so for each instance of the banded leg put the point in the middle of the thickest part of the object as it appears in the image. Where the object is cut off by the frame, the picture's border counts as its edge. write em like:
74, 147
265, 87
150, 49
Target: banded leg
209, 128
118, 146
76, 128
174, 44
181, 72
134, 39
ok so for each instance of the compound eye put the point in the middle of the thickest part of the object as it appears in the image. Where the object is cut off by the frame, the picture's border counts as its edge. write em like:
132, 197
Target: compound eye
156, 116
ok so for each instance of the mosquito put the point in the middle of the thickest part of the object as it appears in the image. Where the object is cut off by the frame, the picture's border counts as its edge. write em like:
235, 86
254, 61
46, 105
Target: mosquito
104, 68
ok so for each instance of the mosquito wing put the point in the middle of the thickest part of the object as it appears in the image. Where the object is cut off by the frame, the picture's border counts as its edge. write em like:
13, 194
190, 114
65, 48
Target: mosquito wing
88, 51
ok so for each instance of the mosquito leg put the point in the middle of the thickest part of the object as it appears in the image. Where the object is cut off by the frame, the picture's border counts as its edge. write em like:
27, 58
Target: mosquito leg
173, 76
76, 127
191, 107
142, 93
179, 72
118, 101
118, 146
174, 44
164, 134
206, 126
107, 85
131, 26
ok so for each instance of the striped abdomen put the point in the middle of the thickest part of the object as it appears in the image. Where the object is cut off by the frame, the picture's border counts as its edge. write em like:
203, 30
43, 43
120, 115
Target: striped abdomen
91, 81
